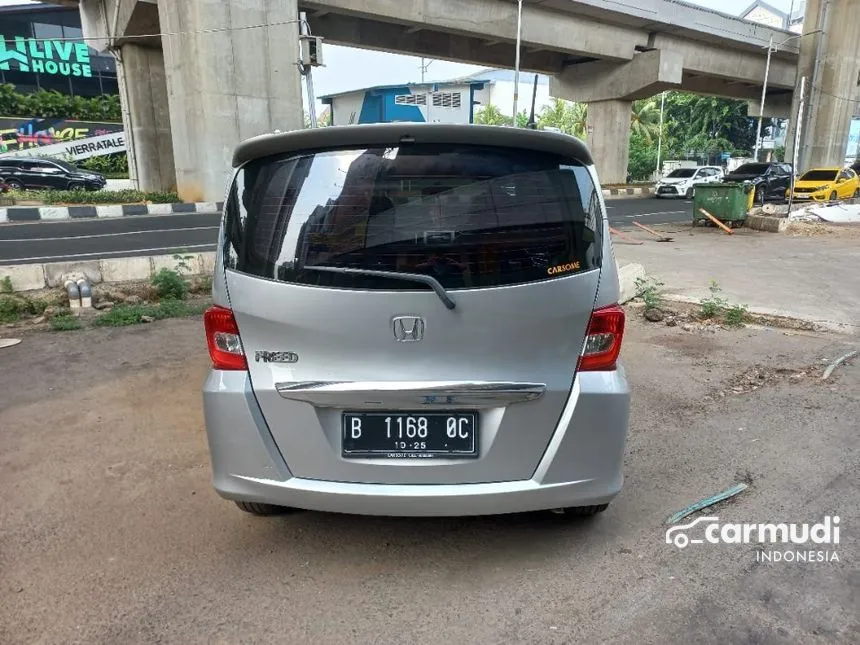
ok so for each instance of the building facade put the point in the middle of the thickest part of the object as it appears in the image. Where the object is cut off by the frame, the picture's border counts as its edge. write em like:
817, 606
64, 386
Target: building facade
451, 101
445, 102
42, 49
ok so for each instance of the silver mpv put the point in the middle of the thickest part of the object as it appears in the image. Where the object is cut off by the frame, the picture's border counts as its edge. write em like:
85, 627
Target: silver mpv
415, 319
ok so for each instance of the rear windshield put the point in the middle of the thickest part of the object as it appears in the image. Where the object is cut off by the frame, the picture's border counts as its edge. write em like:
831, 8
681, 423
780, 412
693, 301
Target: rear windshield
682, 172
468, 216
820, 175
752, 169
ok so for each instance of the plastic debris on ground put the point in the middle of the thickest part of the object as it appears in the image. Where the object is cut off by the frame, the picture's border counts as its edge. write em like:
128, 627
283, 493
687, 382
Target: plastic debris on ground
835, 214
705, 503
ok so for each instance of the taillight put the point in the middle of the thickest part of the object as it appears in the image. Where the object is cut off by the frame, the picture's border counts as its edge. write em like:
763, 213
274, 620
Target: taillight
603, 341
222, 336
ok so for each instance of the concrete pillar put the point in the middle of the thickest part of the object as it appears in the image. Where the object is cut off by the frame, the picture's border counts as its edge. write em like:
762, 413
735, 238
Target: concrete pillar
836, 87
831, 63
609, 139
143, 94
226, 86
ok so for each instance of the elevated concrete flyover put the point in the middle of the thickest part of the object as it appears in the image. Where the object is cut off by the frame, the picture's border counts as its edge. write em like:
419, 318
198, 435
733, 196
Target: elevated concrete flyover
606, 54
224, 78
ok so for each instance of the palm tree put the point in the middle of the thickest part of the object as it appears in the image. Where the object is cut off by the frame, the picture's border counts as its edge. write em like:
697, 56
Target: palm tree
645, 119
568, 117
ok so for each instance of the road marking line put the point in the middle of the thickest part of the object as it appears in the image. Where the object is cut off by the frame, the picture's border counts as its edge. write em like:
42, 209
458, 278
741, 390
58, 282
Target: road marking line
130, 253
95, 235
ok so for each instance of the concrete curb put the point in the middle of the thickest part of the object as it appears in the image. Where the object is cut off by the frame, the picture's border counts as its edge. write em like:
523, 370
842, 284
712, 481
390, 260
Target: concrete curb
627, 193
30, 277
818, 324
11, 214
627, 277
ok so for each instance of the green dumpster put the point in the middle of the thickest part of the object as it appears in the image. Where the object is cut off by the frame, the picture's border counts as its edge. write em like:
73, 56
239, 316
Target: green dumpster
727, 202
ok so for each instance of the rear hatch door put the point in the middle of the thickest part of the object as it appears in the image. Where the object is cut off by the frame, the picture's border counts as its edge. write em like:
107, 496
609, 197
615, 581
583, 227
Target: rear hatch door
413, 313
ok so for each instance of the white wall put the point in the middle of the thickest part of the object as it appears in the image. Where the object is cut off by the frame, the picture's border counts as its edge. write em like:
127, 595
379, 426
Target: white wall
345, 105
501, 94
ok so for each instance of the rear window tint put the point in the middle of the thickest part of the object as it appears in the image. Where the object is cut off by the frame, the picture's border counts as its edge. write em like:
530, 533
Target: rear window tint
471, 217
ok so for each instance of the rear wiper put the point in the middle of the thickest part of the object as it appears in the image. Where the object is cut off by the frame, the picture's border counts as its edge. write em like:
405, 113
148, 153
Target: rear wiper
430, 281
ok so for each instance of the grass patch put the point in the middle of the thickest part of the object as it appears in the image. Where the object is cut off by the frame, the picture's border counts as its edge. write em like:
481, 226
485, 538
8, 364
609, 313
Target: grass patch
11, 308
66, 322
125, 315
736, 315
712, 305
716, 306
169, 284
96, 196
6, 285
648, 289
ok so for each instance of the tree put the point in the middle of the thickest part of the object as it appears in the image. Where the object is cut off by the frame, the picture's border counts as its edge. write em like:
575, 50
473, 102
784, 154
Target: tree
643, 157
645, 120
491, 115
566, 116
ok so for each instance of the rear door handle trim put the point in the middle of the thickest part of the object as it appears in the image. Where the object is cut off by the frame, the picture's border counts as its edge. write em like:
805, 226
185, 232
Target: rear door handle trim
362, 394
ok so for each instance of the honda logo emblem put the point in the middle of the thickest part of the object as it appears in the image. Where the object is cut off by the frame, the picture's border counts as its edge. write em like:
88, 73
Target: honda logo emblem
408, 329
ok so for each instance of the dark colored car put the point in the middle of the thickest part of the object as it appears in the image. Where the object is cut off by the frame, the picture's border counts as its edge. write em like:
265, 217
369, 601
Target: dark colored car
771, 180
855, 166
25, 173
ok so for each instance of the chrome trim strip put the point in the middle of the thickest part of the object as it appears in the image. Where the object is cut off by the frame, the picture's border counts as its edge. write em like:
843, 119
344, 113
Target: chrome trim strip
343, 394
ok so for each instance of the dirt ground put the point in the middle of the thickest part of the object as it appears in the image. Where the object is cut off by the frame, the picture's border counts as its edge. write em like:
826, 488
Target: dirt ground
809, 274
110, 532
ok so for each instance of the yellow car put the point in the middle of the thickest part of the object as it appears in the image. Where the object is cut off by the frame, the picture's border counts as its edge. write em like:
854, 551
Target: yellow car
827, 184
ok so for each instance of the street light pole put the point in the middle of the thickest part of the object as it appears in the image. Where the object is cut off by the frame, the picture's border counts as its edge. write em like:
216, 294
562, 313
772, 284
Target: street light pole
660, 139
770, 51
517, 63
763, 97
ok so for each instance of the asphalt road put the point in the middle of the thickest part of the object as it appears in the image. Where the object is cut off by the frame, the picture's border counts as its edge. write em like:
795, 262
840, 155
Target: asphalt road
111, 532
130, 236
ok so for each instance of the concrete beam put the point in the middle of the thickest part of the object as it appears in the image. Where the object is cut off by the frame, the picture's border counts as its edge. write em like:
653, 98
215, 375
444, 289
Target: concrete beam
712, 86
119, 21
495, 19
649, 73
389, 37
730, 64
775, 107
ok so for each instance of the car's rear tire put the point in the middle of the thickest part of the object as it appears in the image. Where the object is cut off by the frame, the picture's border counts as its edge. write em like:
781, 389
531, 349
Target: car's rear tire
257, 508
14, 184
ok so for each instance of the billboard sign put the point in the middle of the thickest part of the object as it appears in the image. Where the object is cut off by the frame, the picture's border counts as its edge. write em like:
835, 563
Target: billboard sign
58, 57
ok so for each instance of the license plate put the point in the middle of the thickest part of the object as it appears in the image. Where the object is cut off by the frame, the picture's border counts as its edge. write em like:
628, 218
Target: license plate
397, 435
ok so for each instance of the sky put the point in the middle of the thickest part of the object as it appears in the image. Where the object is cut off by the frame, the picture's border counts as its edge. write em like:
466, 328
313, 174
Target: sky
348, 68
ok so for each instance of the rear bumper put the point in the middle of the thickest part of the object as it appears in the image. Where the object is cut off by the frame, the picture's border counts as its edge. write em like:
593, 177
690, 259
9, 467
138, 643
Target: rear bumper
581, 466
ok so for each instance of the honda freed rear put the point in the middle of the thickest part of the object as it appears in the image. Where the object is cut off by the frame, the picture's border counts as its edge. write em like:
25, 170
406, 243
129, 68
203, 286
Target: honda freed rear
415, 320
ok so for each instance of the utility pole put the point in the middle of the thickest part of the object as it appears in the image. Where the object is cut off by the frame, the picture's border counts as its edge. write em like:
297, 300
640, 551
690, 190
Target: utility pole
763, 97
311, 56
797, 134
660, 138
517, 63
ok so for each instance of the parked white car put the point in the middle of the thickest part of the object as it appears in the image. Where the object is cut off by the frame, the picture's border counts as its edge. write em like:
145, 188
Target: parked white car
681, 182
